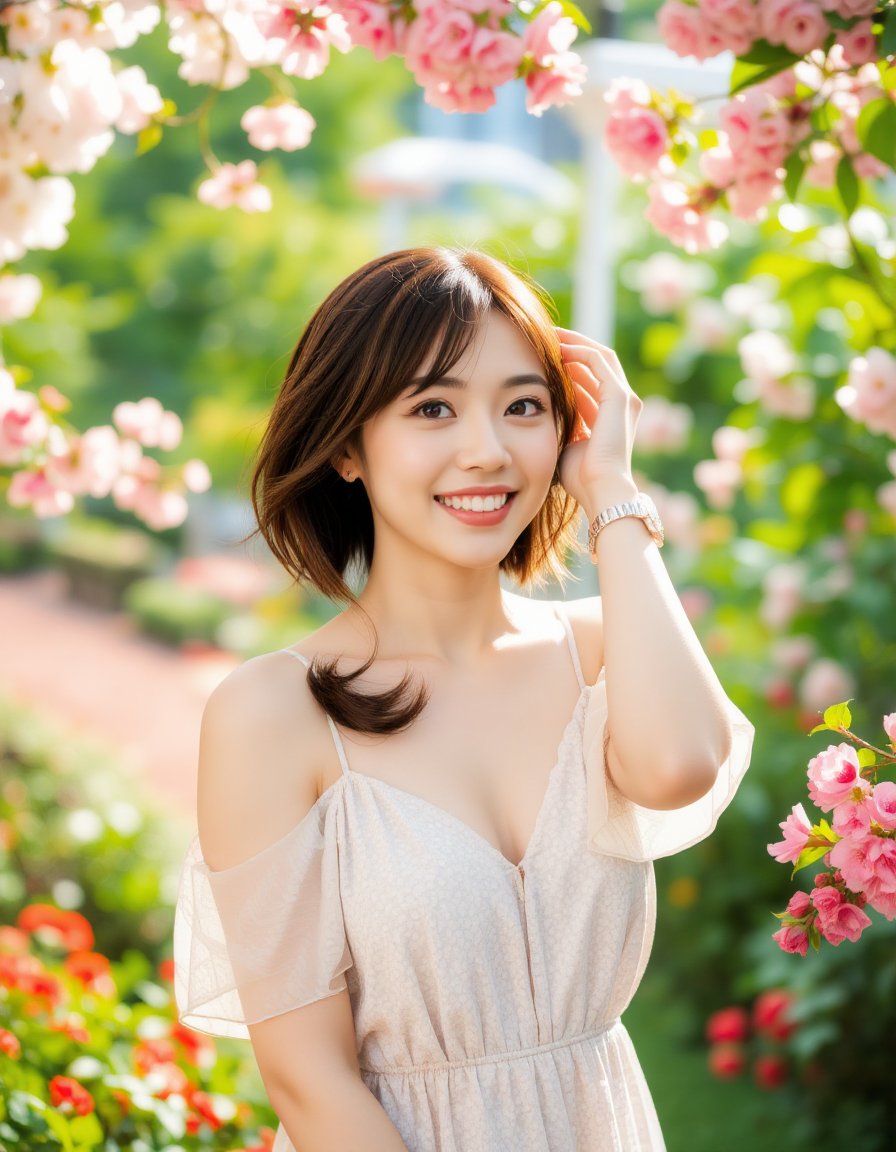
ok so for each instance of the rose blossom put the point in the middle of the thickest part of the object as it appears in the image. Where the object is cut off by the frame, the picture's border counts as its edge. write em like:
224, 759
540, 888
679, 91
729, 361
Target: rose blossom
792, 938
883, 797
236, 184
797, 830
687, 32
797, 24
869, 394
890, 727
636, 140
285, 126
834, 775
858, 43
824, 682
798, 905
838, 920
853, 817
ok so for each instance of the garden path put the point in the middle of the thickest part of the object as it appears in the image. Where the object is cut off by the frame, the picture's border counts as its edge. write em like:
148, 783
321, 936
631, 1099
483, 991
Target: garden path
94, 672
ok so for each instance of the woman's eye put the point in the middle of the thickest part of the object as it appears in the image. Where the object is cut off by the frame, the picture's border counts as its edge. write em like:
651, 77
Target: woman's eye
539, 407
420, 409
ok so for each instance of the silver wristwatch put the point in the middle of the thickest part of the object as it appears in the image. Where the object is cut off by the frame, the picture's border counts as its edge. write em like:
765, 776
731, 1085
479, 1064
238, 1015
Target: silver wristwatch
642, 507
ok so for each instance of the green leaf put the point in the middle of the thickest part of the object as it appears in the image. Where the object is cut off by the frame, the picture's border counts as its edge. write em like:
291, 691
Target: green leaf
708, 138
809, 856
876, 130
800, 489
847, 184
570, 9
867, 758
838, 716
795, 167
148, 138
814, 936
889, 77
763, 61
888, 40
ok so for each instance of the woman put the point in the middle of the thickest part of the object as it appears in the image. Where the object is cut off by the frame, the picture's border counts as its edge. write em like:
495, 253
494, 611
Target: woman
424, 889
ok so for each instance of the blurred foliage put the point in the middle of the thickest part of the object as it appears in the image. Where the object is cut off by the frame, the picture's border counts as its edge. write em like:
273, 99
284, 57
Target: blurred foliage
72, 835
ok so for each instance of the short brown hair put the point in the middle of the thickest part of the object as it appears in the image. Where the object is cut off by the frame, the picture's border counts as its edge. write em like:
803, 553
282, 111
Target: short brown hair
359, 352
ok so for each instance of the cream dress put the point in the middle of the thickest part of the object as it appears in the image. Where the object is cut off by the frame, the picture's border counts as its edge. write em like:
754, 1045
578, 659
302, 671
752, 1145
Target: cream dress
486, 996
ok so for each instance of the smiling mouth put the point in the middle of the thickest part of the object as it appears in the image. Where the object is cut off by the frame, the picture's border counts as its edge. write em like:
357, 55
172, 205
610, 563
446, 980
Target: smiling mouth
476, 503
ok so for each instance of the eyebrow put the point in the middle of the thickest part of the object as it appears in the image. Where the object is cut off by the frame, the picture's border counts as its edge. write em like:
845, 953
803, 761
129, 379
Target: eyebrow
422, 384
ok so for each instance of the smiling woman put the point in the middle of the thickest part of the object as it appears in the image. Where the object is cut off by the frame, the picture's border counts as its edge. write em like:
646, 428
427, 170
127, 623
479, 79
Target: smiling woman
429, 936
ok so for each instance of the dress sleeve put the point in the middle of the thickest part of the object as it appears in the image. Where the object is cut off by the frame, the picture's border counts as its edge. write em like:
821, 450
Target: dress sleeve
262, 937
619, 827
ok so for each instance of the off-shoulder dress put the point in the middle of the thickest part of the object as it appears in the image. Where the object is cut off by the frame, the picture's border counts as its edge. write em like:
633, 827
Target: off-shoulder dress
486, 995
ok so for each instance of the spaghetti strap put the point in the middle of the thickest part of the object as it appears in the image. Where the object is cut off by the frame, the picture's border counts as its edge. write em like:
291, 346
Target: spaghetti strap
573, 650
334, 731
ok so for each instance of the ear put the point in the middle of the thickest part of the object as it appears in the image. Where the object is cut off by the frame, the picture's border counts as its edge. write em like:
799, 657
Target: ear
343, 463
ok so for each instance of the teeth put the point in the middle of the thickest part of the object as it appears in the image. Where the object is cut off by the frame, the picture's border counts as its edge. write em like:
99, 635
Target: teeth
475, 503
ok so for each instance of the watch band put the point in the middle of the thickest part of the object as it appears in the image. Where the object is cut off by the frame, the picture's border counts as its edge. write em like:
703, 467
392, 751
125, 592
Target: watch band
641, 506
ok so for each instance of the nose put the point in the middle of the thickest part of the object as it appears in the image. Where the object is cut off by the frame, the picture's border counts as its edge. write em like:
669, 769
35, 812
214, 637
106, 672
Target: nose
481, 444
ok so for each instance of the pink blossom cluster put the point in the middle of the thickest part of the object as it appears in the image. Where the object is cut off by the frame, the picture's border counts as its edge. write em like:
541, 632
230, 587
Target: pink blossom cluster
859, 848
460, 51
772, 377
869, 395
760, 128
708, 27
52, 464
720, 478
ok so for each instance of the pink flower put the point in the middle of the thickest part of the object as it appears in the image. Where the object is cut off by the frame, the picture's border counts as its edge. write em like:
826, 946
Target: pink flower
733, 21
870, 391
18, 296
550, 34
853, 817
792, 938
636, 140
285, 126
834, 775
672, 214
728, 1025
140, 100
196, 476
557, 85
799, 904
850, 8
868, 865
797, 830
797, 24
858, 43
370, 25
890, 726
236, 184
148, 423
838, 920
687, 32
33, 490
883, 798
824, 682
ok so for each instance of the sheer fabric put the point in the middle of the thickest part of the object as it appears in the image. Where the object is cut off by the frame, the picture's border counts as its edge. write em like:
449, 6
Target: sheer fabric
486, 996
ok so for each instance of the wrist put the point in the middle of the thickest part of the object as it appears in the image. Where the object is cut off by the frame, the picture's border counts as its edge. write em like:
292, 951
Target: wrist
617, 488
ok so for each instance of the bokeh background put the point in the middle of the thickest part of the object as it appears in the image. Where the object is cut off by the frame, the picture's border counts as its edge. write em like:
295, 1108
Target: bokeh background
114, 635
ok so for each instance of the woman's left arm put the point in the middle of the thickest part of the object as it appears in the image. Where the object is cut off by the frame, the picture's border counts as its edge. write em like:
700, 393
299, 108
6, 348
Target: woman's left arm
667, 711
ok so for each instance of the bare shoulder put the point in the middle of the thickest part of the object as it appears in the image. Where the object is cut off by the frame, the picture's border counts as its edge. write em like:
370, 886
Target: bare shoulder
262, 744
587, 620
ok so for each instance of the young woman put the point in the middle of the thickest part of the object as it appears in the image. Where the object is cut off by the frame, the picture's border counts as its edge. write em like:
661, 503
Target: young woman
423, 883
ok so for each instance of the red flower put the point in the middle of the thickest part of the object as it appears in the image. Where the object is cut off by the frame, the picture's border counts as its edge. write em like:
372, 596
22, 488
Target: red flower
770, 1014
69, 1096
728, 1024
166, 969
726, 1061
61, 927
73, 1027
199, 1049
93, 970
202, 1105
174, 1080
10, 1044
770, 1071
150, 1053
13, 939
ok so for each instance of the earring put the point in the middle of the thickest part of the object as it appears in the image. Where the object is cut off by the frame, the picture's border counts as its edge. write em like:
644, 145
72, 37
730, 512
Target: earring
349, 476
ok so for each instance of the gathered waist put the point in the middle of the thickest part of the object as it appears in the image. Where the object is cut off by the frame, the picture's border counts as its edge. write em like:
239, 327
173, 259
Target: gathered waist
493, 1057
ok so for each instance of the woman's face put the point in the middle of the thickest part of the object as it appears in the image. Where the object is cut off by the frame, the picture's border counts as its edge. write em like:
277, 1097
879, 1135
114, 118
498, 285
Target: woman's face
489, 425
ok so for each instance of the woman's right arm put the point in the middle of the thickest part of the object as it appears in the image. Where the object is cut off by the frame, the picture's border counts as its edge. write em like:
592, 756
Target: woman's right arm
262, 740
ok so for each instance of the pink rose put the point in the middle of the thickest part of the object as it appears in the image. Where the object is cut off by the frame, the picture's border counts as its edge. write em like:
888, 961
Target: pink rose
884, 800
799, 904
858, 43
870, 391
686, 32
834, 774
557, 85
838, 920
636, 139
797, 24
797, 830
733, 21
792, 938
550, 34
850, 8
852, 817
